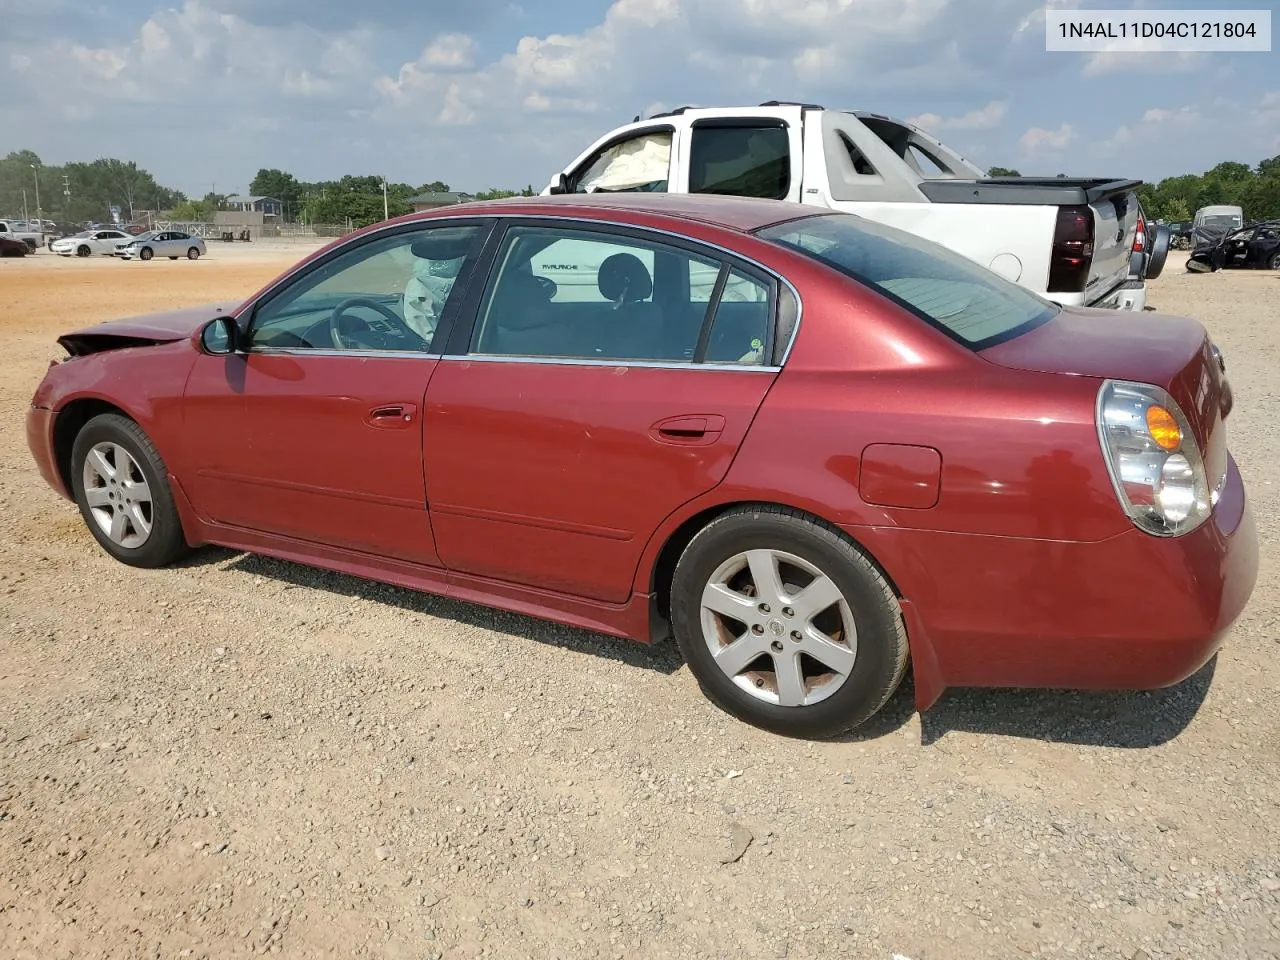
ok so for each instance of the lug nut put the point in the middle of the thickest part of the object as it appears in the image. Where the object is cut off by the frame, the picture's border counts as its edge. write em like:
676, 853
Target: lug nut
757, 629
777, 646
764, 608
788, 612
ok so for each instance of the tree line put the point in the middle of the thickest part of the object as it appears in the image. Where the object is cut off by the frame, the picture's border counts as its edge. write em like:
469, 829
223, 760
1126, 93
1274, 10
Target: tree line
1256, 190
86, 192
79, 192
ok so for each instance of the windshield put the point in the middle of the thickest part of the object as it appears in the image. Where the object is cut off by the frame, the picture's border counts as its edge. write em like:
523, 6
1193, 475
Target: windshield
966, 301
1220, 222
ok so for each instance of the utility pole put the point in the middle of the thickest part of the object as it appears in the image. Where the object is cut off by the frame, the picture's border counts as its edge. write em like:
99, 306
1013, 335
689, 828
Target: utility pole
24, 206
66, 194
385, 214
39, 213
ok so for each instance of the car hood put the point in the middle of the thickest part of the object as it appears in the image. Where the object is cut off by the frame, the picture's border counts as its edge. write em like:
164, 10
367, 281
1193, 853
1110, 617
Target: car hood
142, 330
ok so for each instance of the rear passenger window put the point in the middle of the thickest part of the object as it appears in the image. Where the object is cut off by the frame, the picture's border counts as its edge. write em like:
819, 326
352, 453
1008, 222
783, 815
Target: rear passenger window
751, 159
578, 294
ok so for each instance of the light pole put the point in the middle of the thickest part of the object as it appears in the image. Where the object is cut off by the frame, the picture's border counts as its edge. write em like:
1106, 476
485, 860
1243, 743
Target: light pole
385, 214
39, 213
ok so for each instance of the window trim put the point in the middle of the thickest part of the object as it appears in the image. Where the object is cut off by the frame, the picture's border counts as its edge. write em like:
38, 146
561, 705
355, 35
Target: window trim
462, 336
733, 123
248, 317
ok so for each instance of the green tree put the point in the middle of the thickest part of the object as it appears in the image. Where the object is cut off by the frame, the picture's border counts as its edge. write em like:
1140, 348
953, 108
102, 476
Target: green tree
1002, 172
278, 185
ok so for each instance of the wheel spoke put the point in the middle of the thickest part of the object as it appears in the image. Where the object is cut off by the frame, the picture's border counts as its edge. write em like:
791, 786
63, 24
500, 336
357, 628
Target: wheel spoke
141, 525
100, 465
728, 603
735, 658
138, 491
97, 497
119, 526
764, 573
835, 656
815, 598
786, 668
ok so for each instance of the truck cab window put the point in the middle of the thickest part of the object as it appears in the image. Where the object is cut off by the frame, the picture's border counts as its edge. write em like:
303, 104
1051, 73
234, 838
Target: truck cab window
748, 159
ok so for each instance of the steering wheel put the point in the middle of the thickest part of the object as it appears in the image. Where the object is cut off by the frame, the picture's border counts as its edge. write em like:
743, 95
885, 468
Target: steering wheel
335, 332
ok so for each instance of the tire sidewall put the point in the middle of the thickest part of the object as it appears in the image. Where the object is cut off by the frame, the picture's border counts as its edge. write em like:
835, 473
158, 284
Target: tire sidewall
165, 526
874, 667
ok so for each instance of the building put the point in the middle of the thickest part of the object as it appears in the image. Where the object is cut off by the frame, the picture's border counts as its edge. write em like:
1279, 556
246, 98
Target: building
430, 201
267, 206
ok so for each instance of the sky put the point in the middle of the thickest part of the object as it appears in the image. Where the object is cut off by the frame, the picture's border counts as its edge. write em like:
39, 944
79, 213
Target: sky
497, 93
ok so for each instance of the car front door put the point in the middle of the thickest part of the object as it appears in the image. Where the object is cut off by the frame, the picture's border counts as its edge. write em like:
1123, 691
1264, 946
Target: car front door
315, 430
743, 152
592, 397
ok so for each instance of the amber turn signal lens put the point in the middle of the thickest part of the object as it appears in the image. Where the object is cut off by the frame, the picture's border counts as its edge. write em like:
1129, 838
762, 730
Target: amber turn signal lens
1163, 428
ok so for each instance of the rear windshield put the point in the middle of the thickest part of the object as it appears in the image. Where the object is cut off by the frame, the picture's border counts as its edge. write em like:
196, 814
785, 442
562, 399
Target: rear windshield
966, 301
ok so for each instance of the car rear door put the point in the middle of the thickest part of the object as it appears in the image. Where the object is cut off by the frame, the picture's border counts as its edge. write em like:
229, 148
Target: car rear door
570, 420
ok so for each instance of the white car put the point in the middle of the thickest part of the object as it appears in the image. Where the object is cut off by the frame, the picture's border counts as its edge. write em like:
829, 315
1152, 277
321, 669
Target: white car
162, 243
89, 242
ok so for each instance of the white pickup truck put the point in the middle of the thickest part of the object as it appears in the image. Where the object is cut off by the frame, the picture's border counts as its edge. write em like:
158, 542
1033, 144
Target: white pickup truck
1068, 239
18, 230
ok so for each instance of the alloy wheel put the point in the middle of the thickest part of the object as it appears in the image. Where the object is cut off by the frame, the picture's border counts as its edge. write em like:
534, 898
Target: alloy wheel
118, 495
779, 628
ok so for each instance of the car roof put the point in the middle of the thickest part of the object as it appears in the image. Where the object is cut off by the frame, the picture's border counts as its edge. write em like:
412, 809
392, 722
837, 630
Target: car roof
741, 214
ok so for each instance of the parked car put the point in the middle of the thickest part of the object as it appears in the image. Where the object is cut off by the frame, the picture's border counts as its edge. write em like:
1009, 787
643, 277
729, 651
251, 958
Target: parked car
874, 447
13, 248
1223, 216
162, 243
20, 230
1253, 245
1069, 239
88, 243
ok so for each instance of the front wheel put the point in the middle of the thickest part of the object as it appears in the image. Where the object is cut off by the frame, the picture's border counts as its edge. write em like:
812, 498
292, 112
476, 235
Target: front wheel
786, 624
145, 253
1274, 262
82, 251
121, 485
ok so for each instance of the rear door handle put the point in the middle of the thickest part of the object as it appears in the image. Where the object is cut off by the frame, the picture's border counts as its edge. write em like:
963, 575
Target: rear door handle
389, 416
688, 430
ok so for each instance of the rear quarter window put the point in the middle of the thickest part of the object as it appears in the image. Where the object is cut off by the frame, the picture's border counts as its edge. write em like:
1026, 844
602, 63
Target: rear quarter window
968, 302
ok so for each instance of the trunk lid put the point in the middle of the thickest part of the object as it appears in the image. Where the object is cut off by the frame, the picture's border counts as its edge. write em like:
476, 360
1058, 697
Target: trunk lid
1171, 352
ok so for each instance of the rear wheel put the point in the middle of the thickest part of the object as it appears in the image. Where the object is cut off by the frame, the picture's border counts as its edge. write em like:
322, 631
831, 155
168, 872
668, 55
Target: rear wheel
121, 485
193, 254
785, 624
146, 253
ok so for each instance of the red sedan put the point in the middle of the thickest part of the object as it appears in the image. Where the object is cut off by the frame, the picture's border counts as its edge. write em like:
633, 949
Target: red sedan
804, 444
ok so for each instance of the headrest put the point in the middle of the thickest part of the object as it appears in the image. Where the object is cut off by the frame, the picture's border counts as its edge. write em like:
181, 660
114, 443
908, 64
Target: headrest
519, 300
623, 278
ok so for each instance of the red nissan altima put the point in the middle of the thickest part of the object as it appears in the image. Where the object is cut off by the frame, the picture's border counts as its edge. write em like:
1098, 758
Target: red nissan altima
808, 446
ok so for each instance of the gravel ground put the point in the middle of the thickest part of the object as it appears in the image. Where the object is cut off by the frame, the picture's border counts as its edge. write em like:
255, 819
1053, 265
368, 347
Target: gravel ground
242, 756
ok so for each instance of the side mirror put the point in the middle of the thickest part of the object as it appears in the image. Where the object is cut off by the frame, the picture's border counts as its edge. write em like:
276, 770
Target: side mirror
561, 185
220, 336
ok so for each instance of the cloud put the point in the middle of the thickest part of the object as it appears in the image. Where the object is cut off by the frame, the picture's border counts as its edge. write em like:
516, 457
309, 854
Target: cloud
1151, 128
987, 118
1142, 61
450, 51
1038, 139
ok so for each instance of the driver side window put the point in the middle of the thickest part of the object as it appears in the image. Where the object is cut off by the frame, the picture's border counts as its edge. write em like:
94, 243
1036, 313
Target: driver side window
385, 294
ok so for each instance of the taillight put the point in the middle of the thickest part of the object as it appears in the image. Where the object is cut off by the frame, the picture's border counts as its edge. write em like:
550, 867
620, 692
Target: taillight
1072, 253
1155, 464
1140, 241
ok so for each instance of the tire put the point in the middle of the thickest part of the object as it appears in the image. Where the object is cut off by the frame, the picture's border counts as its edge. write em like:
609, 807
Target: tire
82, 251
146, 253
1274, 262
192, 254
1159, 251
854, 691
173, 258
110, 435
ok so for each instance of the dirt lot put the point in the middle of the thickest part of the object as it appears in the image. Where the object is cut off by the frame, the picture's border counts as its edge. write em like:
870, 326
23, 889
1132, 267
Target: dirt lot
243, 756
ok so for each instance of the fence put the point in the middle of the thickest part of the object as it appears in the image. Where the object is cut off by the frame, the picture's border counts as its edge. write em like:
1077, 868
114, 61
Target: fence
270, 231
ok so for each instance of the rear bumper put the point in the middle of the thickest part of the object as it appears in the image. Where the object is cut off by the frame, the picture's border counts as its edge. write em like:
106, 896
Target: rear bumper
40, 440
1131, 612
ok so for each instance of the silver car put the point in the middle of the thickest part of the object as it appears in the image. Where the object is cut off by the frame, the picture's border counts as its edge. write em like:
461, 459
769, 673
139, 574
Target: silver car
162, 243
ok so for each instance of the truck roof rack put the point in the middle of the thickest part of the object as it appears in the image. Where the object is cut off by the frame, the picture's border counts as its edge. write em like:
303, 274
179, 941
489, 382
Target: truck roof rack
667, 113
792, 103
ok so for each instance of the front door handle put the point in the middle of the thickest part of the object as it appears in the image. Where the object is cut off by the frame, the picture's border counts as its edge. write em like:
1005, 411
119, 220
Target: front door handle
688, 430
389, 416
